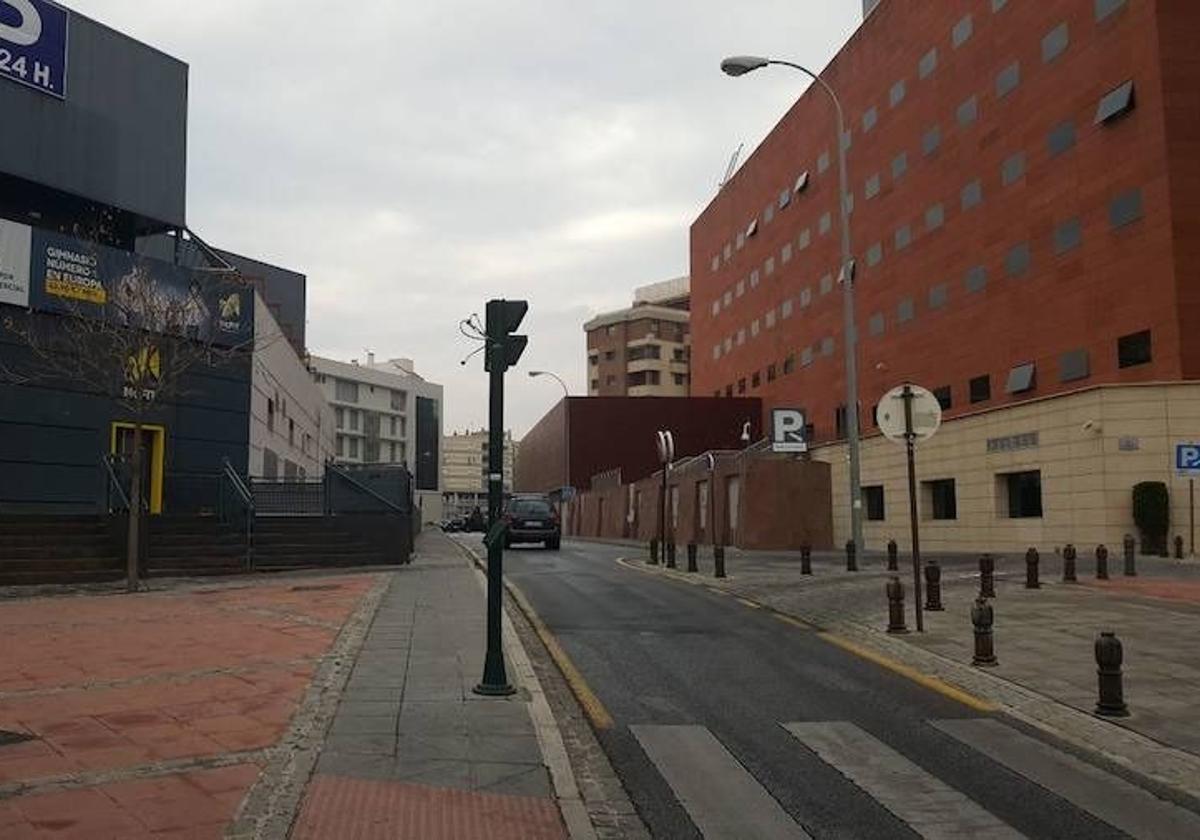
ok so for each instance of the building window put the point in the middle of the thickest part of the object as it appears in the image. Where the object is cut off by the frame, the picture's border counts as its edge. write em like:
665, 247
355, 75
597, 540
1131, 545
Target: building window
872, 497
944, 397
785, 253
728, 390
742, 386
905, 311
997, 5
769, 267
270, 414
679, 378
1008, 79
903, 237
789, 364
341, 445
771, 373
291, 432
968, 111
610, 380
755, 380
595, 384
824, 223
345, 391
1118, 101
754, 328
645, 351
1022, 378
1125, 208
897, 93
827, 284
1067, 236
768, 217
931, 140
785, 198
1022, 491
875, 325
801, 182
1134, 349
972, 194
869, 118
806, 356
981, 388
871, 187
354, 417
1055, 42
976, 279
1104, 8
962, 31
827, 346
1012, 169
935, 216
875, 255
1073, 366
392, 426
938, 296
941, 500
823, 162
804, 239
927, 64
839, 421
1061, 138
1016, 261
353, 447
340, 415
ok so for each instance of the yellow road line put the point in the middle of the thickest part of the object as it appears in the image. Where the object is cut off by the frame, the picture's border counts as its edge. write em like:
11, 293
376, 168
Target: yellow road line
932, 683
795, 622
592, 707
745, 602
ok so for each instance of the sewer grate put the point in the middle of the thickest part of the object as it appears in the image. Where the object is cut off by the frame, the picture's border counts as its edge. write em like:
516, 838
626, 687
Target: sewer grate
319, 587
7, 738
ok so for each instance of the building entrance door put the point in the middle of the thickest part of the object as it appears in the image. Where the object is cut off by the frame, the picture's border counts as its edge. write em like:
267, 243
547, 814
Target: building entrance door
153, 440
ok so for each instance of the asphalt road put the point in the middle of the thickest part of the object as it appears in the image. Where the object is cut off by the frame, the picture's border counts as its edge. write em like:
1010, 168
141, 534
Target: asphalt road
693, 679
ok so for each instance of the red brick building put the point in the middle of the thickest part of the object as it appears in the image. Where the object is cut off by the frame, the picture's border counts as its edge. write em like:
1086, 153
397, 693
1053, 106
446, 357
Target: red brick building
1025, 184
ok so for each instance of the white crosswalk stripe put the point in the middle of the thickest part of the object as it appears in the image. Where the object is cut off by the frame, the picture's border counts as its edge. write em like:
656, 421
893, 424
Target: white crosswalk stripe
929, 806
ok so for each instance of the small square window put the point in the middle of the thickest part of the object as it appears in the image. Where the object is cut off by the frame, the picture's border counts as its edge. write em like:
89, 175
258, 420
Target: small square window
1013, 169
1055, 42
729, 390
938, 295
769, 213
827, 346
1125, 208
1104, 8
769, 266
785, 253
897, 93
1016, 261
976, 279
785, 198
805, 298
716, 264
771, 318
1008, 79
940, 499
927, 64
1134, 349
944, 397
905, 311
1061, 138
801, 183
1022, 378
962, 31
755, 380
754, 279
849, 203
1023, 493
728, 251
968, 111
804, 239
728, 343
997, 5
874, 255
741, 241
827, 284
716, 307
871, 187
754, 328
980, 389
931, 140
875, 324
1118, 101
873, 501
899, 166
716, 352
822, 162
972, 194
787, 307
741, 336
824, 223
789, 364
741, 388
869, 118
771, 373
1073, 366
806, 357
740, 288
903, 237
935, 216
1067, 236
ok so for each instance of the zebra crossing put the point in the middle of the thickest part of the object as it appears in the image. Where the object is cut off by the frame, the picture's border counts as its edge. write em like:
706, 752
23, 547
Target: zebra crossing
725, 802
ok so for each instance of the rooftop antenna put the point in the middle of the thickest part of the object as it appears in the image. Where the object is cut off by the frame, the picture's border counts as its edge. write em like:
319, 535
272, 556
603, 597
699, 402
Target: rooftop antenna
729, 170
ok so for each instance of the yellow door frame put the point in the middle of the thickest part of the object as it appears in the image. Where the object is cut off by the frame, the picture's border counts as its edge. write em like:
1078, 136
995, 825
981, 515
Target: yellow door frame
157, 457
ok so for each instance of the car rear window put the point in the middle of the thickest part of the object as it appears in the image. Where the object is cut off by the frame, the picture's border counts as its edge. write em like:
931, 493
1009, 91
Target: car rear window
530, 507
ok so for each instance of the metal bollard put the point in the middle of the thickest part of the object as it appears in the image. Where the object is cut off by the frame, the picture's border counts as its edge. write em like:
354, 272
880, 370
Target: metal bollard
933, 586
1109, 656
893, 556
895, 596
1101, 563
1130, 547
671, 555
654, 551
719, 561
1178, 547
987, 580
806, 560
851, 556
1031, 569
1069, 554
982, 617
691, 555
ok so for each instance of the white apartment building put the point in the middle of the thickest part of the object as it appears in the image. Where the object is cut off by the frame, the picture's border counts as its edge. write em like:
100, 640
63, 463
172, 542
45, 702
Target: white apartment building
385, 413
465, 470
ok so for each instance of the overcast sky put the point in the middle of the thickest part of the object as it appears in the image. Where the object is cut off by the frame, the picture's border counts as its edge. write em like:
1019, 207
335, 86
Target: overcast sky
415, 159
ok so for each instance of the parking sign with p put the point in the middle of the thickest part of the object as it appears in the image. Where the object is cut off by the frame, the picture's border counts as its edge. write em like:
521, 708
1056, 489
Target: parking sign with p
787, 430
1187, 459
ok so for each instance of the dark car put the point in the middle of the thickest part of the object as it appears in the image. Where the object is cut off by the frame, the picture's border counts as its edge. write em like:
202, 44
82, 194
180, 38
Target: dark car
532, 519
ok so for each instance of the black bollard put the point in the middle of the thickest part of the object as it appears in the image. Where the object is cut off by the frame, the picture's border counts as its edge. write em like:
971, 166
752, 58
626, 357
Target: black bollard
893, 556
1178, 547
719, 561
1069, 554
851, 556
654, 551
895, 596
806, 560
1109, 656
671, 555
1101, 563
1130, 547
1031, 569
691, 555
933, 586
987, 580
983, 617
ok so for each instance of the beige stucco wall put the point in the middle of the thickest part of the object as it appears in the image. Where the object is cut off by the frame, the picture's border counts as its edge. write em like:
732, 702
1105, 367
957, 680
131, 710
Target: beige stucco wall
1086, 477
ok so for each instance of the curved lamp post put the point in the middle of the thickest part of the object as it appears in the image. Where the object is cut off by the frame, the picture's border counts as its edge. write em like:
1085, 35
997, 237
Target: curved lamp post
533, 374
740, 66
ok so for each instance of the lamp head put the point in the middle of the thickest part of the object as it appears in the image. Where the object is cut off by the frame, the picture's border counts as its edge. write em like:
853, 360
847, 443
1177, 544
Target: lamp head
740, 65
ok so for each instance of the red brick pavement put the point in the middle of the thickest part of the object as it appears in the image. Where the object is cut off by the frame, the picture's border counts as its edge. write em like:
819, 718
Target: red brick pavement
109, 684
1171, 589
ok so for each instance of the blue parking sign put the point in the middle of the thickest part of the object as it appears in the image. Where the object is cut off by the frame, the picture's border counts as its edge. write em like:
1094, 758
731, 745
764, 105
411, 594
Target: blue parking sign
1187, 458
33, 45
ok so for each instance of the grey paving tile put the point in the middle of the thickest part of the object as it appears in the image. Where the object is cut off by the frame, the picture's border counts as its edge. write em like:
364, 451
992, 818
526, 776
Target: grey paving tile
510, 779
372, 725
360, 744
437, 772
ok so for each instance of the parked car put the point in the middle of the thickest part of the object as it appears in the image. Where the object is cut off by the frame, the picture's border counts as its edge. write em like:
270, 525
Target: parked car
532, 518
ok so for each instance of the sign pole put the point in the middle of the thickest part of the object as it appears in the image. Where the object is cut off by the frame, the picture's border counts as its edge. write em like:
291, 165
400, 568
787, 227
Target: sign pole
909, 435
1192, 515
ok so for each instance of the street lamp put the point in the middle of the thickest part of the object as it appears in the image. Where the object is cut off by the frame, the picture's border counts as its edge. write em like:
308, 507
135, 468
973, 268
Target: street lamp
533, 374
739, 66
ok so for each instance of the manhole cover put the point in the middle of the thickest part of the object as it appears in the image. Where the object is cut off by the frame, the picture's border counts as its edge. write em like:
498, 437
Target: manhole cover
317, 587
10, 738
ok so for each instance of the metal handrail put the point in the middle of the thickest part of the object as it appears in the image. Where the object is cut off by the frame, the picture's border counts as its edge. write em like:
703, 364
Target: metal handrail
331, 468
247, 498
113, 481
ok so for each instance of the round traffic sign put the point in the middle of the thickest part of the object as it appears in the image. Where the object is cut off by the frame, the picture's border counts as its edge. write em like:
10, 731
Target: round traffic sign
926, 413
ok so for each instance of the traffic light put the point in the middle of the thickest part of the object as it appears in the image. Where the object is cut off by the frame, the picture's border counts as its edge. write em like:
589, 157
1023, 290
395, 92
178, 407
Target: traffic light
503, 319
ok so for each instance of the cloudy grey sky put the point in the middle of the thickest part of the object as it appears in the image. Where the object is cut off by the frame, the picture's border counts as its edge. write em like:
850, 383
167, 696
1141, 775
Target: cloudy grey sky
415, 159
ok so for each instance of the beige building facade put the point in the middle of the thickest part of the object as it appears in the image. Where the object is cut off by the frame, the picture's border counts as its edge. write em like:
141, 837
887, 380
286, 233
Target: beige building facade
645, 350
465, 468
1043, 473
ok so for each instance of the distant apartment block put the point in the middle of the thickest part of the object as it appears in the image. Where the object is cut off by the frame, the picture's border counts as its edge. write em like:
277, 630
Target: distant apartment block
645, 350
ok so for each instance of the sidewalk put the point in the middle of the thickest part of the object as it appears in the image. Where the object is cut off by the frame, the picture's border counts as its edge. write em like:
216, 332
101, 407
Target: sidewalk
412, 752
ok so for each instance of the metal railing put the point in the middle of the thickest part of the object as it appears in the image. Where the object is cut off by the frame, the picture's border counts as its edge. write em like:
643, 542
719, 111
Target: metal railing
361, 489
235, 492
288, 496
